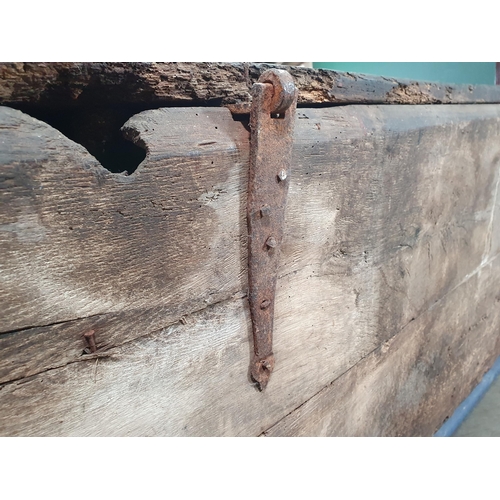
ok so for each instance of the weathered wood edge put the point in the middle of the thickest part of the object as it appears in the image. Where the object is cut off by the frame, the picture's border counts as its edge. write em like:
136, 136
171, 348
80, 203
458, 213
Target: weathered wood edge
63, 84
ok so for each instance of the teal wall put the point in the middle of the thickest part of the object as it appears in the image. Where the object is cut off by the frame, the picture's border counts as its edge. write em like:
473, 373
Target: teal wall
445, 72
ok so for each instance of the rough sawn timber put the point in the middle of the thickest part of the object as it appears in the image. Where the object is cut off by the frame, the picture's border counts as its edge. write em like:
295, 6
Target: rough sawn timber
219, 83
390, 209
412, 383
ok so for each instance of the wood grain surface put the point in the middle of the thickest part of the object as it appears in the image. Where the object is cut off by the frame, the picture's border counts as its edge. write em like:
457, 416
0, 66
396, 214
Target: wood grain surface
392, 214
409, 385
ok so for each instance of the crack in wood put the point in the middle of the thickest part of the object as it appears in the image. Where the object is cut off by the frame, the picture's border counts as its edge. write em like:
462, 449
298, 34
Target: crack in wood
48, 325
385, 346
109, 348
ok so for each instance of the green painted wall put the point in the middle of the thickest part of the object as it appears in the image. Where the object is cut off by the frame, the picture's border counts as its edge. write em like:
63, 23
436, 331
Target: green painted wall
445, 72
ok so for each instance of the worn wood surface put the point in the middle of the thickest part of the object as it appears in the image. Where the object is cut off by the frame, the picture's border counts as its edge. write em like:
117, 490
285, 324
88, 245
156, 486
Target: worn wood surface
79, 241
390, 209
412, 383
190, 379
157, 84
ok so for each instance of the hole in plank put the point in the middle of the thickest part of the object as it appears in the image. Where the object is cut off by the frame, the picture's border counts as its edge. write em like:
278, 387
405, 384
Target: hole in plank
97, 128
95, 124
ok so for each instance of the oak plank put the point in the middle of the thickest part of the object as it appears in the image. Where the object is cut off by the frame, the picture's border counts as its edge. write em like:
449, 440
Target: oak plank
377, 206
60, 84
79, 241
413, 382
192, 379
355, 270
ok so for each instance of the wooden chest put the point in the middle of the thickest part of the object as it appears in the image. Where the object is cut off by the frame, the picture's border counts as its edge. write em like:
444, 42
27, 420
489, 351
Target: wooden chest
125, 295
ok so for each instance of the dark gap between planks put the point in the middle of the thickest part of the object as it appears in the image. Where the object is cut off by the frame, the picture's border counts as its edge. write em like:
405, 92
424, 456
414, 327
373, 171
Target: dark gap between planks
98, 129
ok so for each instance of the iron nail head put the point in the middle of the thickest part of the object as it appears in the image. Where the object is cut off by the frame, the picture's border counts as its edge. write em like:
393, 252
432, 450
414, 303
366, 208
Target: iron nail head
265, 211
282, 175
271, 242
265, 304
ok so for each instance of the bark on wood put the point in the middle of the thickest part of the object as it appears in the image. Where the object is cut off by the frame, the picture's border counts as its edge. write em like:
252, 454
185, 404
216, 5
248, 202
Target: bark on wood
389, 209
63, 84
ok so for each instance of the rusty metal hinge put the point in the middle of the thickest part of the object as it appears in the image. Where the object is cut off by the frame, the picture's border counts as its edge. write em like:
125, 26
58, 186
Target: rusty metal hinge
272, 116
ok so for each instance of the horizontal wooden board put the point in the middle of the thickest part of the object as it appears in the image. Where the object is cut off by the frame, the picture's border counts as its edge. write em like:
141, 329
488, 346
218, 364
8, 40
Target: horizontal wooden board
390, 208
413, 382
79, 241
59, 84
192, 379
365, 199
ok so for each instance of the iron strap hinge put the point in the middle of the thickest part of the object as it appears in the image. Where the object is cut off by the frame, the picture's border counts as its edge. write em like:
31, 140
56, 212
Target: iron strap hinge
272, 117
